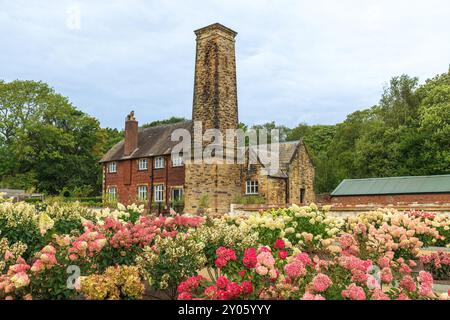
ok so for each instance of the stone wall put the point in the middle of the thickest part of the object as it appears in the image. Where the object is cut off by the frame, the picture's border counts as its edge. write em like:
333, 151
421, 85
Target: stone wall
301, 176
220, 183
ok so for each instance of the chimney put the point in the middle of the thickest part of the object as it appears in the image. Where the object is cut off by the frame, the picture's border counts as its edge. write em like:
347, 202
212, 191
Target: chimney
131, 134
215, 90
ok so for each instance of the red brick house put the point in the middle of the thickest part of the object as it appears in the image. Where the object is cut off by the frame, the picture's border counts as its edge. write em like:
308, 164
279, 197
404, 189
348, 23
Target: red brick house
140, 168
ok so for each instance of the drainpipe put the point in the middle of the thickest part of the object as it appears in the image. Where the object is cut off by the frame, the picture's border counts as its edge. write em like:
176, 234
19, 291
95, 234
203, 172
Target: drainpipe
167, 162
287, 190
151, 185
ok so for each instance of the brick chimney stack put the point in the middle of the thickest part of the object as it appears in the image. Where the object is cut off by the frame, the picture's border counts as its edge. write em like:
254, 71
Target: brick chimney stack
215, 90
216, 106
131, 134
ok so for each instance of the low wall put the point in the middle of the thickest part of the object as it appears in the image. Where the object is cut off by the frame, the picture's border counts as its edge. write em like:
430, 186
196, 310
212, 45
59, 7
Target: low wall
343, 211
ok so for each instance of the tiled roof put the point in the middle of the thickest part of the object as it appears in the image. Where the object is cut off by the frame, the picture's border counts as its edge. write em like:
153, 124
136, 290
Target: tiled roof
153, 141
286, 152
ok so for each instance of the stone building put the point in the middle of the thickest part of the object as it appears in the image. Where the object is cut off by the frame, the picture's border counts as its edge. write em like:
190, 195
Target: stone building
141, 168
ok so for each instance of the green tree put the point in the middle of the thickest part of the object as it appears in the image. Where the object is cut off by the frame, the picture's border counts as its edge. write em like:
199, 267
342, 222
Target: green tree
434, 115
171, 120
45, 142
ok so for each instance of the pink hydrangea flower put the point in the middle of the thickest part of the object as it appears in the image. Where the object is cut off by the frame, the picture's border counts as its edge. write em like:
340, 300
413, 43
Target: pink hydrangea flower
283, 254
249, 259
311, 296
261, 270
247, 287
185, 296
295, 269
304, 258
266, 259
386, 275
279, 244
408, 283
321, 282
378, 294
353, 292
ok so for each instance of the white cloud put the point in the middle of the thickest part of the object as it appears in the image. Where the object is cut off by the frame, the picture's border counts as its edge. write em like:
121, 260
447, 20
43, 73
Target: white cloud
297, 60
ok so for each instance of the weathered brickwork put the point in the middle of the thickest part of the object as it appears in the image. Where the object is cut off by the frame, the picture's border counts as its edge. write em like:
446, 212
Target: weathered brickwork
128, 178
386, 200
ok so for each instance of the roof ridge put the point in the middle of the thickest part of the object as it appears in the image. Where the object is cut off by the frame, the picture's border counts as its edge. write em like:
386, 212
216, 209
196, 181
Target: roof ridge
401, 177
165, 125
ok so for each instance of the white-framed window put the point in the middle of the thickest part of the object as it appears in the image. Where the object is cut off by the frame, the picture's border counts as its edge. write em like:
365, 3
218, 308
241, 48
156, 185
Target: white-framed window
159, 163
177, 194
158, 191
112, 167
142, 193
177, 160
143, 164
251, 187
112, 193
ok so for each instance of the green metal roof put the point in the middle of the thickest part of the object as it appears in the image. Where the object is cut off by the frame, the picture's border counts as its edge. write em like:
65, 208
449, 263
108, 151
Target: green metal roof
395, 185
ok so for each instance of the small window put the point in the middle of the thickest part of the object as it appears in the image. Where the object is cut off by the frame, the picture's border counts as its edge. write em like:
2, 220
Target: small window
143, 164
112, 168
112, 194
142, 193
177, 161
159, 193
177, 194
302, 195
159, 163
252, 187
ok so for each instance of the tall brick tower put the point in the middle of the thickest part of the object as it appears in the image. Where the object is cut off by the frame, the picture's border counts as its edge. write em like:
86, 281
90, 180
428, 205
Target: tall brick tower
215, 91
214, 186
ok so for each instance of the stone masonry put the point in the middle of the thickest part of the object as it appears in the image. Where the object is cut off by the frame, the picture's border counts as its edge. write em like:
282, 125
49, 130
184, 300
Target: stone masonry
215, 105
301, 176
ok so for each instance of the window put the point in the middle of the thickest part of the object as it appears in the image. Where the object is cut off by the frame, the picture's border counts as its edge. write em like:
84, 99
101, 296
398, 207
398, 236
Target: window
177, 160
159, 193
177, 194
112, 168
112, 194
159, 163
143, 164
251, 187
142, 193
302, 195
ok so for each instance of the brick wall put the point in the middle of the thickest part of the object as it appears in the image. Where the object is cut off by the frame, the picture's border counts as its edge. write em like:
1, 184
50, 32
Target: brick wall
128, 177
384, 200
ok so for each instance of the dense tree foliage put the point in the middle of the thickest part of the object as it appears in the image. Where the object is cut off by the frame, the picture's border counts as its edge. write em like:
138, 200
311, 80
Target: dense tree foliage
407, 133
45, 142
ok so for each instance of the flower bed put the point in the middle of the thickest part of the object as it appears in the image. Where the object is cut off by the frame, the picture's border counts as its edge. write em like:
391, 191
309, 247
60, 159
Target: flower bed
68, 251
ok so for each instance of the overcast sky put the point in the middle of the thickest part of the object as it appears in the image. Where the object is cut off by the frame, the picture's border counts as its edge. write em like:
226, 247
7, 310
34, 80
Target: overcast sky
298, 61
